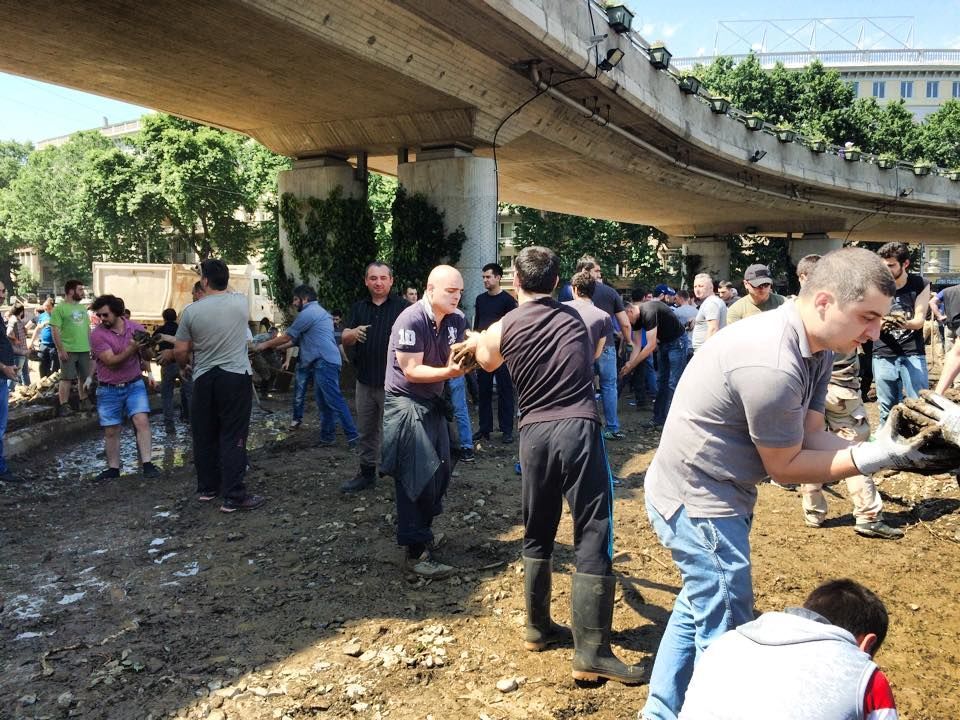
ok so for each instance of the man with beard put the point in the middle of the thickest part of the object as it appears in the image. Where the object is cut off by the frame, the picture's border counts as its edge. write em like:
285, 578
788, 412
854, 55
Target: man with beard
71, 335
120, 388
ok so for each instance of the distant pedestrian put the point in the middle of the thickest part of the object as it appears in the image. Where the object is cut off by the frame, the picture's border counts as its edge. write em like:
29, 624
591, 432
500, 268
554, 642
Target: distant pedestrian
213, 336
490, 306
170, 371
411, 295
71, 334
319, 358
46, 348
8, 371
17, 334
120, 388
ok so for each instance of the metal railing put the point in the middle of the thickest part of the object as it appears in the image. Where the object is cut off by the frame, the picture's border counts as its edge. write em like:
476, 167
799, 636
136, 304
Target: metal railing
838, 58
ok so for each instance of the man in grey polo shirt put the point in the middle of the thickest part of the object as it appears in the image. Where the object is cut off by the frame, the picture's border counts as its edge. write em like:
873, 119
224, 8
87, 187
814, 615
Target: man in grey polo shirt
739, 416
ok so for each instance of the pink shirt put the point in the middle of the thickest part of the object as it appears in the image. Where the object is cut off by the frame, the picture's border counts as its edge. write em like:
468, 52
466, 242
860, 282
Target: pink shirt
101, 339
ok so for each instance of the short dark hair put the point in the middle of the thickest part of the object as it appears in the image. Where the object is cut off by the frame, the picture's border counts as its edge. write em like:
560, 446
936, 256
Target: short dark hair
305, 292
587, 262
583, 283
896, 250
495, 268
683, 294
216, 272
377, 263
15, 310
848, 273
537, 269
169, 315
112, 302
71, 285
806, 264
637, 294
728, 285
853, 607
198, 287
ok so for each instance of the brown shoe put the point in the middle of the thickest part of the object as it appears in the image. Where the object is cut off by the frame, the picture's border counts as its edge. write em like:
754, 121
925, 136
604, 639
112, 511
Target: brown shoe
250, 502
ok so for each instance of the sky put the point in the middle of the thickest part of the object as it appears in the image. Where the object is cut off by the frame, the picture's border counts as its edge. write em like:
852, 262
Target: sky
32, 110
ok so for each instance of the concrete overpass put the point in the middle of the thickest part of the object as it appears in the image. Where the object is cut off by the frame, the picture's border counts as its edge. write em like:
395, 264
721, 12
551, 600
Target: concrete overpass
422, 88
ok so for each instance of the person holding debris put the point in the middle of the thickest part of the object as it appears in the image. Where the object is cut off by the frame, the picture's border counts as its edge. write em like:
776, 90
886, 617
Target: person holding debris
739, 417
550, 354
416, 436
120, 388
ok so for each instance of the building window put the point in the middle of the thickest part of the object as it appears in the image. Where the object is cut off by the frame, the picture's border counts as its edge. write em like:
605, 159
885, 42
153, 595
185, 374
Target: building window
906, 89
956, 88
855, 88
933, 88
506, 230
938, 258
879, 89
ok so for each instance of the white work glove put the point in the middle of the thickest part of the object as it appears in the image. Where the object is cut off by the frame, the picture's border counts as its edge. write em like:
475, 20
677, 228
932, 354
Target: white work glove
889, 449
88, 383
945, 412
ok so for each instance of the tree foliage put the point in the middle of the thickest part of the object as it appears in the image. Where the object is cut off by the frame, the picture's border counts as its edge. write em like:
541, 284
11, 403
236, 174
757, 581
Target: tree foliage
620, 248
418, 241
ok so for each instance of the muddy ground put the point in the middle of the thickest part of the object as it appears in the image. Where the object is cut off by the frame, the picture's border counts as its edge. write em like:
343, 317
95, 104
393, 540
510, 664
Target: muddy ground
132, 600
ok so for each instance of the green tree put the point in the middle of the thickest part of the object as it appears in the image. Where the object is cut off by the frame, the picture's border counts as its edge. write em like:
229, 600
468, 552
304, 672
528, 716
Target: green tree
940, 135
381, 192
13, 156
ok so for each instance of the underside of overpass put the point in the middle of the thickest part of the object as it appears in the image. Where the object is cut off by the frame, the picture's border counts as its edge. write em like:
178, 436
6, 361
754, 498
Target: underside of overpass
312, 78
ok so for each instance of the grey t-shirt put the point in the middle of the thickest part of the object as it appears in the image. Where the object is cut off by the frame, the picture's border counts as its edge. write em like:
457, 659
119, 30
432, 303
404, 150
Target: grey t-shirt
750, 385
217, 325
597, 321
710, 309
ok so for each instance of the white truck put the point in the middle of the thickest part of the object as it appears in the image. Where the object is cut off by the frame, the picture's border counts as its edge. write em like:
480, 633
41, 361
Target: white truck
148, 289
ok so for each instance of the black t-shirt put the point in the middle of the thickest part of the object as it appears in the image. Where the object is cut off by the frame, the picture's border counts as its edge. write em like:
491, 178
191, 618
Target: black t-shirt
608, 300
168, 328
903, 342
951, 306
655, 314
547, 350
370, 357
490, 308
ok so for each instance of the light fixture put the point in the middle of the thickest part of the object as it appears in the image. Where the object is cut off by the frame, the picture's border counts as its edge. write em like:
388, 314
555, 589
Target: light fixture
757, 156
659, 56
614, 56
619, 18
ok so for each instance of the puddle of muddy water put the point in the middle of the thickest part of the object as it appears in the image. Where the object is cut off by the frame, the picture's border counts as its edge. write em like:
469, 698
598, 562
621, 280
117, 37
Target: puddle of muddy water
83, 459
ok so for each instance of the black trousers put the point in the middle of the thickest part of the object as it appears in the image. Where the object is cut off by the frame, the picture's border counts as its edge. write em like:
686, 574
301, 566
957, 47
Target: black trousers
566, 459
220, 419
505, 404
49, 360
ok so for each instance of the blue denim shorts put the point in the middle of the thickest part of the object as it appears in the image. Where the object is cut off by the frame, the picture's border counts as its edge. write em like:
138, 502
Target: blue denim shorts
113, 401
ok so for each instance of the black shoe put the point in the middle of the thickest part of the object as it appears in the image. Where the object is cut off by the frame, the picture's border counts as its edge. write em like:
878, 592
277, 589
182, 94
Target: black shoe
593, 659
478, 436
366, 477
250, 502
541, 630
467, 455
169, 427
108, 474
507, 438
149, 470
64, 410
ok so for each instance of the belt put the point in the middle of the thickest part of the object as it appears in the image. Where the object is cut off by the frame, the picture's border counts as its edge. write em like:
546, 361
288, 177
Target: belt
119, 385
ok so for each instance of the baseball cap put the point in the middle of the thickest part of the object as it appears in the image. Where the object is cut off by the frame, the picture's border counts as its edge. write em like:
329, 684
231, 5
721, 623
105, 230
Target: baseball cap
757, 275
664, 290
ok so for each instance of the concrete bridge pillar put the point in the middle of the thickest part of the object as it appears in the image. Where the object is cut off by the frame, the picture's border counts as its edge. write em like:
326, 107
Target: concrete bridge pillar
712, 256
464, 188
316, 177
813, 244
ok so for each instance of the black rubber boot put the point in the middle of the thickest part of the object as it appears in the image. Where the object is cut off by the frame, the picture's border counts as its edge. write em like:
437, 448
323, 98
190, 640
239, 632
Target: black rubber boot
541, 630
594, 661
365, 477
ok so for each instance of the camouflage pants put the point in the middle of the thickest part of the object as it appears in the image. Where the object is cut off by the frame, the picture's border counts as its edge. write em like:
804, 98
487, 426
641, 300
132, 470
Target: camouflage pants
845, 416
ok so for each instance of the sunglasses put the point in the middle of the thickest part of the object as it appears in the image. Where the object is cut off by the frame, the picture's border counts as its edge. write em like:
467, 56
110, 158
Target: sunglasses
103, 315
763, 285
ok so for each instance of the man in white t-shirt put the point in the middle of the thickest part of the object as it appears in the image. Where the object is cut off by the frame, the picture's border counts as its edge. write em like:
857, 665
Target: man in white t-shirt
713, 312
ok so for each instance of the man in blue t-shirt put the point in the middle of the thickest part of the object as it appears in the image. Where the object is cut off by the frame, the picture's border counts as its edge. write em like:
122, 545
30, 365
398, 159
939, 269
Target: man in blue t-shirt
49, 360
320, 358
490, 307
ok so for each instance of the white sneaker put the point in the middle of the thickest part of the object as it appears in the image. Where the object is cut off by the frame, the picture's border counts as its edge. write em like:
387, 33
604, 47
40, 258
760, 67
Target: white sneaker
426, 567
295, 424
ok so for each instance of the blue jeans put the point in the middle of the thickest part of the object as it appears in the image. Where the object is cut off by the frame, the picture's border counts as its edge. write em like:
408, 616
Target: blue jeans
897, 378
671, 357
458, 396
713, 555
607, 370
330, 402
4, 414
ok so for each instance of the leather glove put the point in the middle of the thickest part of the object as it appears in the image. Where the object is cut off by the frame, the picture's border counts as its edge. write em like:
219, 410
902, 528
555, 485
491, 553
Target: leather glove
889, 449
944, 412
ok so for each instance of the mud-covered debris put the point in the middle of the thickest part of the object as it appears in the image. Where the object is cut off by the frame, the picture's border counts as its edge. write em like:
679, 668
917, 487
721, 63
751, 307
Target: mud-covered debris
507, 685
353, 648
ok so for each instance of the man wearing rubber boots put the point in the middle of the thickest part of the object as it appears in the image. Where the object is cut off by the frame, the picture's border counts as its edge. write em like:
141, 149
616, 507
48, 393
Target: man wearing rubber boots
763, 415
550, 357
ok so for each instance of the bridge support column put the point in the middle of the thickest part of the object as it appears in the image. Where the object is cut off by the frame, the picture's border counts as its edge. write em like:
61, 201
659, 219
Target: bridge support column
813, 244
316, 177
464, 188
708, 255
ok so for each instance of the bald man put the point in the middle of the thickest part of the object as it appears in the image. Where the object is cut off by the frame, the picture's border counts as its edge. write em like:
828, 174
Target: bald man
416, 439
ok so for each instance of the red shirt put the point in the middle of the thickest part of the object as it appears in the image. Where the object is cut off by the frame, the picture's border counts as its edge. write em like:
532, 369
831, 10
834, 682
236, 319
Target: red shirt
102, 338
